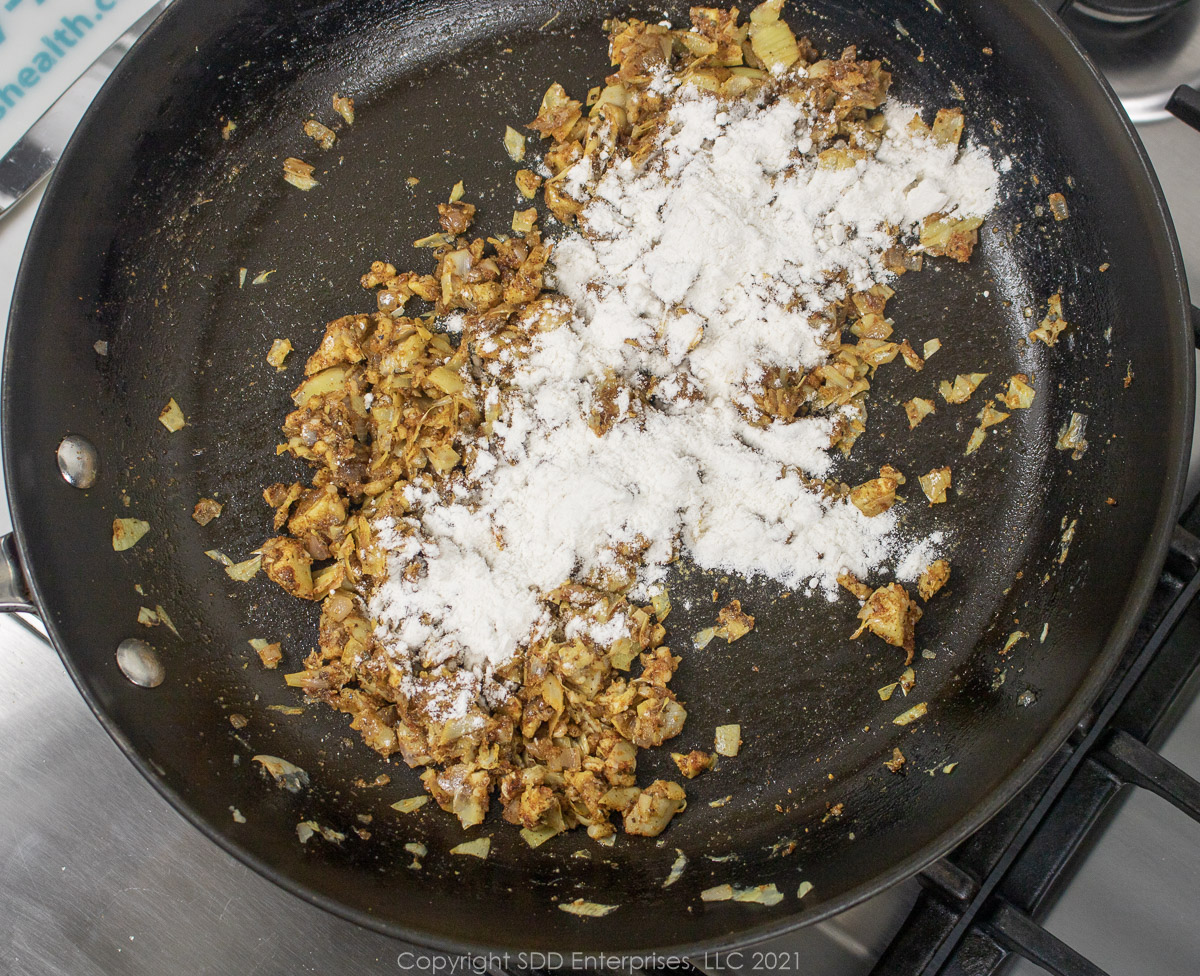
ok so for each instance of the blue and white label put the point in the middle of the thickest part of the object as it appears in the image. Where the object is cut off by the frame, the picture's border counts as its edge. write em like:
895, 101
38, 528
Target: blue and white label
45, 45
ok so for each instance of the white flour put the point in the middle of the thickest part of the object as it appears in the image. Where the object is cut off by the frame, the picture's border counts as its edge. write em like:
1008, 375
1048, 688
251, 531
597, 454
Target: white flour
703, 268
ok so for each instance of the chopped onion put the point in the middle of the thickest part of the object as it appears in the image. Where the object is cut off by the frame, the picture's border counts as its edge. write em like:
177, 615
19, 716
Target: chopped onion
537, 836
287, 775
514, 144
126, 532
588, 909
723, 892
298, 173
728, 740
279, 352
766, 894
480, 847
914, 713
308, 828
171, 416
244, 570
676, 869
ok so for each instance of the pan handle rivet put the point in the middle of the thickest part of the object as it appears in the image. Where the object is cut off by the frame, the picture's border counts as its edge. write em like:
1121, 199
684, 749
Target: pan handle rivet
139, 663
78, 461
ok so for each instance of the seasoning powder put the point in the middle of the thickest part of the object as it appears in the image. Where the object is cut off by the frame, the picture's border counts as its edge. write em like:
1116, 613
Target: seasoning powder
701, 269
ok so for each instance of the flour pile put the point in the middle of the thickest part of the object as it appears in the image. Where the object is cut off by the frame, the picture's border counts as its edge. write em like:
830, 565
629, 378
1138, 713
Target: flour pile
691, 277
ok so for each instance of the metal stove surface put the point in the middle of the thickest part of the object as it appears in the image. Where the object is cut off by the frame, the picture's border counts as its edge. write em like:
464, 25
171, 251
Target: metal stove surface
102, 876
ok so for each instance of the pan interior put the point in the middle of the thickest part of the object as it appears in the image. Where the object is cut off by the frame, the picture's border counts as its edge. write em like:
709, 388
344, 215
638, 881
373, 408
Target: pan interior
142, 243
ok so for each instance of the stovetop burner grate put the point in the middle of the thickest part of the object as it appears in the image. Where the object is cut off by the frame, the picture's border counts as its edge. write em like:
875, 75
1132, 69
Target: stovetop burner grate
981, 901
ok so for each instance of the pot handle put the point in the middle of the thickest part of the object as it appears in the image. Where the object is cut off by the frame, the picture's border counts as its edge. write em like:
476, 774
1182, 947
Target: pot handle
1184, 104
14, 591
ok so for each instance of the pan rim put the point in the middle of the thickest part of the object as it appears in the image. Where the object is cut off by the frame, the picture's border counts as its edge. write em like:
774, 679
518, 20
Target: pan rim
1177, 315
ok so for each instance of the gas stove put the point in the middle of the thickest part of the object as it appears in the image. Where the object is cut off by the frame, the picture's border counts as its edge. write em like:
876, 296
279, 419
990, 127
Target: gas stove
1091, 869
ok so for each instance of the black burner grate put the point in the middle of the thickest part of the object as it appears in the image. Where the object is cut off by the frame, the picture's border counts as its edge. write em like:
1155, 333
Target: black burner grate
980, 902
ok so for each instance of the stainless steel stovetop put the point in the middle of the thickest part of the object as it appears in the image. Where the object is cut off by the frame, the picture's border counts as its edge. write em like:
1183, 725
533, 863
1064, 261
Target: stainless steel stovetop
101, 876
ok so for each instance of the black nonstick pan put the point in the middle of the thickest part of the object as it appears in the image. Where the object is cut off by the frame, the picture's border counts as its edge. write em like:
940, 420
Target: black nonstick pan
158, 203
